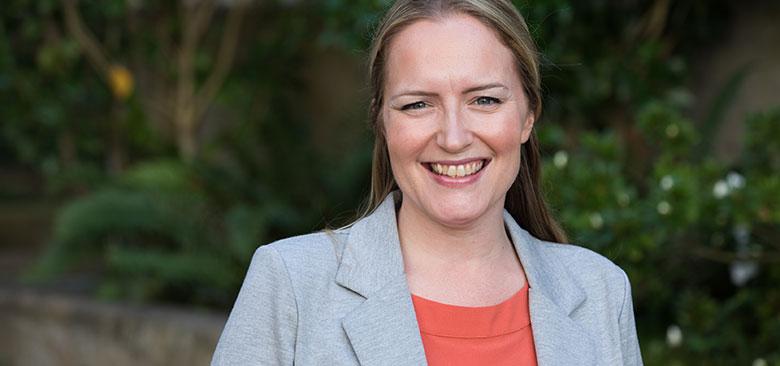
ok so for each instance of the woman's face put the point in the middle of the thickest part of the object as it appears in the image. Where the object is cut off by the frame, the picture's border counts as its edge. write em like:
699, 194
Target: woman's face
455, 116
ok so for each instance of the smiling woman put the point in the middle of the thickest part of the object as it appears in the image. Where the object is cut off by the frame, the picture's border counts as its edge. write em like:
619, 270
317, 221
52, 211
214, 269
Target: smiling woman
456, 260
470, 107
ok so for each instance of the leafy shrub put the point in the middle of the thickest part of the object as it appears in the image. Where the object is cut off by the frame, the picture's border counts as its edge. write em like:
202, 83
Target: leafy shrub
148, 232
696, 236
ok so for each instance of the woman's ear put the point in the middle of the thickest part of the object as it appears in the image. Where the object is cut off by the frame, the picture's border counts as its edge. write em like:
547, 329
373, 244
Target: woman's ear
527, 127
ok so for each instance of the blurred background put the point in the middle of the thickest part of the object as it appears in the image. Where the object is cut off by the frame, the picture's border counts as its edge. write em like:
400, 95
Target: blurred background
148, 147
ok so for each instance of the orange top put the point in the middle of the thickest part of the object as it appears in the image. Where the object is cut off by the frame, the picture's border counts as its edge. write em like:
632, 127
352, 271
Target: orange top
485, 335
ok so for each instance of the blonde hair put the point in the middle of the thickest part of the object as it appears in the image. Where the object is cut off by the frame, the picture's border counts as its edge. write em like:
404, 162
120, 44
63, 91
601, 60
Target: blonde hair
524, 201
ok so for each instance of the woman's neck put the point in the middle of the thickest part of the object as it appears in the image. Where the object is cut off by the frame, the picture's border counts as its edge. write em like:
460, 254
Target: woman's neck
429, 244
473, 265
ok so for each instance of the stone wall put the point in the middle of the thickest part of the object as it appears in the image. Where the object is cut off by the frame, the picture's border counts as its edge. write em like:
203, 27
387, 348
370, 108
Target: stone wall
47, 329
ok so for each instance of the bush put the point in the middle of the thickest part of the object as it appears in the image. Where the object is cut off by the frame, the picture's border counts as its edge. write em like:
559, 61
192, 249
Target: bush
696, 236
150, 235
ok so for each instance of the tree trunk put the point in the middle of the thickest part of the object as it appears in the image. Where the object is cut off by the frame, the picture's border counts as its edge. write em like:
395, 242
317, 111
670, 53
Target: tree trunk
186, 133
66, 145
115, 149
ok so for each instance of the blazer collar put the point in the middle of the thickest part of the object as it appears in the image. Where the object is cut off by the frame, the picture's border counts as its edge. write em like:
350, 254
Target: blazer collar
383, 329
372, 266
554, 294
372, 255
546, 274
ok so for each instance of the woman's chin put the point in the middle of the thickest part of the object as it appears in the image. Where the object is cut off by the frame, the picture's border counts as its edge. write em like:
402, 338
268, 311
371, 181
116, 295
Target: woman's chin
452, 211
456, 217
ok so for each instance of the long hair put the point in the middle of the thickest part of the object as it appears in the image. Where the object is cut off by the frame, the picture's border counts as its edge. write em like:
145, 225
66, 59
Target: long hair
524, 200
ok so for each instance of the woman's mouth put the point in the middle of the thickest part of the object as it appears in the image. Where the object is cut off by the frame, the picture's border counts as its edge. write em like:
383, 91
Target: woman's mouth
457, 170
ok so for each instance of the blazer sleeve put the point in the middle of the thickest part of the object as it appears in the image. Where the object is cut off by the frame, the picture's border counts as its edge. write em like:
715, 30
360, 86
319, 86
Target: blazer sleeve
629, 342
261, 328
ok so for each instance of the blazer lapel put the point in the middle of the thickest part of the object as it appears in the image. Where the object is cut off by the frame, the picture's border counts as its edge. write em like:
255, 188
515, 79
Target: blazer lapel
553, 295
383, 329
557, 338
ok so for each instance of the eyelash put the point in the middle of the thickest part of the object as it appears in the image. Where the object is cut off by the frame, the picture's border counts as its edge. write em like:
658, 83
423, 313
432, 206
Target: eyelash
479, 101
415, 105
487, 99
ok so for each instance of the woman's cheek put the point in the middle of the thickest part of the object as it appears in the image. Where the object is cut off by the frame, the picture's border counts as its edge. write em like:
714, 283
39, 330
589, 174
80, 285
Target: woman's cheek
504, 133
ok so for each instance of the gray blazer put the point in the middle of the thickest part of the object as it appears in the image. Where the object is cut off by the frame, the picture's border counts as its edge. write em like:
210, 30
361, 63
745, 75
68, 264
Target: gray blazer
341, 298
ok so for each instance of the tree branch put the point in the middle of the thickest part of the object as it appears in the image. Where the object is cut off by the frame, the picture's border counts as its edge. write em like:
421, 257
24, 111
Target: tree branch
225, 56
94, 52
724, 256
201, 18
196, 20
193, 18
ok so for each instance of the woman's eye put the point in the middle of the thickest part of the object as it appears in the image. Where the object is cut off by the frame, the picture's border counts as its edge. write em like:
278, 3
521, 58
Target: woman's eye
415, 105
487, 101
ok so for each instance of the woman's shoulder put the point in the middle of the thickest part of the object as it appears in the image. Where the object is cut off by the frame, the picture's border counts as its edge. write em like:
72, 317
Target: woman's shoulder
606, 310
585, 264
307, 244
302, 255
575, 254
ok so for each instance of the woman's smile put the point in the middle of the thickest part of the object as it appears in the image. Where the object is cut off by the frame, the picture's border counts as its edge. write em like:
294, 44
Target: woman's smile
457, 169
454, 174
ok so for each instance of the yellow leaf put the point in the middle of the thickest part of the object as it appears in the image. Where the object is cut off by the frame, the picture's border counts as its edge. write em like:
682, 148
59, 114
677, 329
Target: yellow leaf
121, 81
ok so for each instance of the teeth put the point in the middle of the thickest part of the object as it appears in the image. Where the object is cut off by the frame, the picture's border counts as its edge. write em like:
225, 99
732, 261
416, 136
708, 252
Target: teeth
457, 170
452, 171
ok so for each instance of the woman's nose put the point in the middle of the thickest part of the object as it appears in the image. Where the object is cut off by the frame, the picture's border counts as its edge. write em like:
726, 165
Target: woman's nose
454, 134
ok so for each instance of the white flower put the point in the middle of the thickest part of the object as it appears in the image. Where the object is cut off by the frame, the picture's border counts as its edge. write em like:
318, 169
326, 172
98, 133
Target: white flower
672, 130
759, 362
720, 189
735, 180
560, 159
674, 335
667, 182
741, 271
596, 221
623, 199
664, 208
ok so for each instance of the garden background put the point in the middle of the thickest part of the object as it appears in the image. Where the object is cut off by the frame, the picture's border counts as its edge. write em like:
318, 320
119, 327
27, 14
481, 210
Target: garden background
147, 148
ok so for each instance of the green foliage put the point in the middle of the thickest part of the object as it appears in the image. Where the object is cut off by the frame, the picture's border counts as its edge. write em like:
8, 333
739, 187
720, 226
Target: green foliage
149, 231
762, 150
349, 23
679, 233
722, 102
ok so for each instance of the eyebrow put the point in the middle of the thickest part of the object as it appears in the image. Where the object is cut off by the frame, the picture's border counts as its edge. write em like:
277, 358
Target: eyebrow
422, 93
484, 87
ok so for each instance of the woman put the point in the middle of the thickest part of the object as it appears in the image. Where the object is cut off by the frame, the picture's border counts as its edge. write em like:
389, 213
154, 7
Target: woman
457, 260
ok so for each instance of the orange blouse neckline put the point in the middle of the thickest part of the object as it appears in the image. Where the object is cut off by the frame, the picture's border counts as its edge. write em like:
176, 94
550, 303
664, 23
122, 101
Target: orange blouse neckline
437, 318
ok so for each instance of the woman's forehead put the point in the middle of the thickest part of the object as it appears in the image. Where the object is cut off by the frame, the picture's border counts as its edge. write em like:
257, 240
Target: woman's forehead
457, 49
